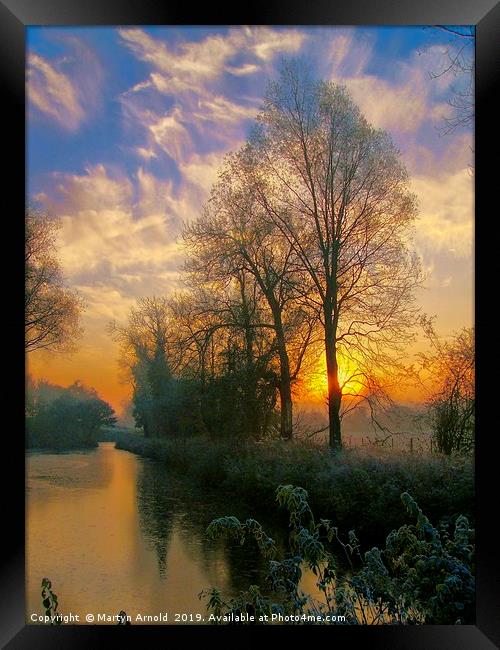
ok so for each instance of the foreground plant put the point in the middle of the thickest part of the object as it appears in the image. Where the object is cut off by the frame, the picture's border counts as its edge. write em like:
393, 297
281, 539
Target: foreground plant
50, 603
422, 576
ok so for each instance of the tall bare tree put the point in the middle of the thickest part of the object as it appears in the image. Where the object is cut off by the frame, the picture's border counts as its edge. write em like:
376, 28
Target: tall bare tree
233, 236
337, 191
52, 310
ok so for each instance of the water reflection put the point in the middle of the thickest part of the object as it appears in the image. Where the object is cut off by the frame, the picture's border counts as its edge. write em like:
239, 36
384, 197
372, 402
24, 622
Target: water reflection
114, 531
169, 507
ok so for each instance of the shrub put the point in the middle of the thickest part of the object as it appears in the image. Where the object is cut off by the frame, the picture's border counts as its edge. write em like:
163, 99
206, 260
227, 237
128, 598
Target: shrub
66, 419
421, 576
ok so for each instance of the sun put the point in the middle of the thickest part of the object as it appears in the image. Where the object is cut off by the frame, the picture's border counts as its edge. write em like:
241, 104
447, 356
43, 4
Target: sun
315, 383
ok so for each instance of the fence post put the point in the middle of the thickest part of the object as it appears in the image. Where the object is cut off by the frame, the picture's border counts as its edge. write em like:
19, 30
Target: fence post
411, 444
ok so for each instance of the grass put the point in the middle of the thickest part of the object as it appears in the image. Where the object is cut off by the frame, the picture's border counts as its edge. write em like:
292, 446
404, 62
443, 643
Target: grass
356, 489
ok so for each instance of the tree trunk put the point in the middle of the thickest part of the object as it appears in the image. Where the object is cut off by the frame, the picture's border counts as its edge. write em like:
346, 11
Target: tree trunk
334, 390
285, 387
253, 412
286, 410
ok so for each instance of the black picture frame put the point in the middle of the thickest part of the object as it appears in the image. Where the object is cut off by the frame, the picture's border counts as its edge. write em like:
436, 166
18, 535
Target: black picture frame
15, 15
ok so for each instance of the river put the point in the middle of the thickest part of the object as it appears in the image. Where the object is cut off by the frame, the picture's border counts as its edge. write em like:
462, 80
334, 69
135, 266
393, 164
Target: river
113, 531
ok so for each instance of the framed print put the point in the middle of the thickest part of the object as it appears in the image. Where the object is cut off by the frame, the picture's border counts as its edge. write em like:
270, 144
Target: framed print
255, 261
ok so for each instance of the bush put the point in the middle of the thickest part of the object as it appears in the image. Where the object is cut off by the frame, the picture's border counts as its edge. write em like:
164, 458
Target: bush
421, 576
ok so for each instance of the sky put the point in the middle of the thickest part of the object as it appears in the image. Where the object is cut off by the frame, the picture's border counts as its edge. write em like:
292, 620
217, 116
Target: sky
127, 127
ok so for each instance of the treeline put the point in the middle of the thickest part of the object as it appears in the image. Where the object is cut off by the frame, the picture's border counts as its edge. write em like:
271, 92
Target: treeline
64, 418
302, 250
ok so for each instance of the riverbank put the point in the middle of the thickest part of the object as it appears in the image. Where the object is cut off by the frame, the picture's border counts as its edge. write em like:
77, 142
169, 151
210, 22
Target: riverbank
355, 489
47, 444
37, 446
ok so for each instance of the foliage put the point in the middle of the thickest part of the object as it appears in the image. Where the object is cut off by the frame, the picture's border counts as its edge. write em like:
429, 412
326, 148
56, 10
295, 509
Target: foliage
50, 603
62, 418
145, 344
422, 576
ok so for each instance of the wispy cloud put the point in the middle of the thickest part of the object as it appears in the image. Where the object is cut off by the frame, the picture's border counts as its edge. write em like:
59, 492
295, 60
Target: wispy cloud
53, 93
193, 78
400, 101
66, 90
194, 63
170, 133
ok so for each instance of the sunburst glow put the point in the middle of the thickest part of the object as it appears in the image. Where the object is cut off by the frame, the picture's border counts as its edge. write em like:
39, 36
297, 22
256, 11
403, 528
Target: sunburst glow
315, 384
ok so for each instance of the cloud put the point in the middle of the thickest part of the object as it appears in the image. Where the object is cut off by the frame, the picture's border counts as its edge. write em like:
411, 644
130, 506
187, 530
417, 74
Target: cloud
446, 204
400, 99
192, 63
348, 56
455, 153
201, 170
396, 107
170, 134
218, 109
155, 196
52, 93
246, 68
267, 42
146, 153
119, 231
193, 77
93, 190
67, 90
207, 120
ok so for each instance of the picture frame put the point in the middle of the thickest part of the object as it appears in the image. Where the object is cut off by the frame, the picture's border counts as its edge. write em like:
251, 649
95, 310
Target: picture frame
15, 16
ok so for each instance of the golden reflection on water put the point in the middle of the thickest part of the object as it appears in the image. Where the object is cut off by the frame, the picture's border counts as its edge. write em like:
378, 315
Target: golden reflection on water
84, 532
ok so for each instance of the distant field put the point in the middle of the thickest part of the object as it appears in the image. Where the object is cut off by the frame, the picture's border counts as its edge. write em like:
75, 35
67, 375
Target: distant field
398, 441
421, 442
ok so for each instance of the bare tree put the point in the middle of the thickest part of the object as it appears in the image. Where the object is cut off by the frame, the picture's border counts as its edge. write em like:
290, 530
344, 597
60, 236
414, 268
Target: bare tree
145, 343
224, 340
458, 61
337, 191
233, 236
52, 311
448, 374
